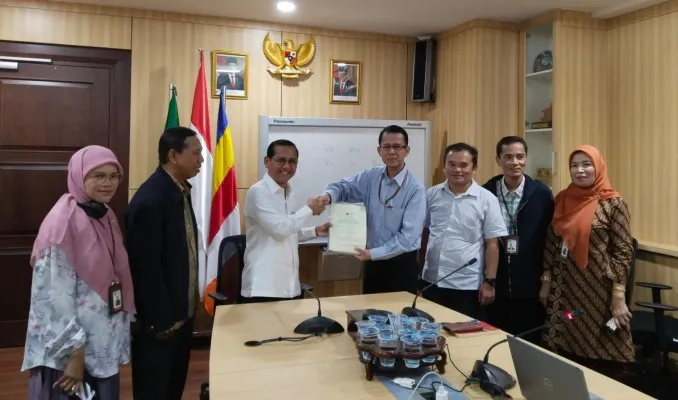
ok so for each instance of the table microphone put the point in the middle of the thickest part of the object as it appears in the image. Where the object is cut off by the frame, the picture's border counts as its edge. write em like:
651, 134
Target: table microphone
484, 372
317, 324
413, 311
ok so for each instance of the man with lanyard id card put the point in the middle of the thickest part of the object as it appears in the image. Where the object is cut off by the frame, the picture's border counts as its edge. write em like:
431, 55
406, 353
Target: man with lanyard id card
527, 208
395, 201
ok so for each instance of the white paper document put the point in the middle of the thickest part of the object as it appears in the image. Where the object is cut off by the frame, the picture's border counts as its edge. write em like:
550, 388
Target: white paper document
349, 227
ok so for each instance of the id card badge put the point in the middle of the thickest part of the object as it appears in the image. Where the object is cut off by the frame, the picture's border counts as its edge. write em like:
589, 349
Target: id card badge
115, 298
563, 251
512, 243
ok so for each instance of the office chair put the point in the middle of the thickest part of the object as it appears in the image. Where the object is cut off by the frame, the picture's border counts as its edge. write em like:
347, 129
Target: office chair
654, 333
231, 264
652, 330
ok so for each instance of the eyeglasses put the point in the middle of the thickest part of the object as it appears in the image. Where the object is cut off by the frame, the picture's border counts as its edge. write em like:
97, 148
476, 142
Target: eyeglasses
100, 177
281, 161
395, 147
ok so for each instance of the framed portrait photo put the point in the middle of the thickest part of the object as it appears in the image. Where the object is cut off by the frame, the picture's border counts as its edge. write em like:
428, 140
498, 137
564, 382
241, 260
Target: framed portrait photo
345, 82
229, 70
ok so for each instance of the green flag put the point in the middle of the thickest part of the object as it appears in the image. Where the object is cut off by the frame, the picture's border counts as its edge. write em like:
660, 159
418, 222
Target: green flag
173, 111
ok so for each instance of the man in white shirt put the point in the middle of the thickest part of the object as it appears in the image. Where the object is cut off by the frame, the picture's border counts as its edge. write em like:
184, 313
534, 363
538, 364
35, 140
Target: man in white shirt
464, 222
274, 229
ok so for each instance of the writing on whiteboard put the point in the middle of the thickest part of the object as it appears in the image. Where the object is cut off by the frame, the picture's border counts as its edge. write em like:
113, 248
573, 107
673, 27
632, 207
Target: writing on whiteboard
415, 124
353, 154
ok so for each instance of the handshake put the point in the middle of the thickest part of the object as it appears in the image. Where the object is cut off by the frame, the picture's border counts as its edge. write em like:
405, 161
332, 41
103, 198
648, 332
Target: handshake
318, 204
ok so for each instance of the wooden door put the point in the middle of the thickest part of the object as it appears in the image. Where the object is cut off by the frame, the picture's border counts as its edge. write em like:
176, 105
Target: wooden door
47, 112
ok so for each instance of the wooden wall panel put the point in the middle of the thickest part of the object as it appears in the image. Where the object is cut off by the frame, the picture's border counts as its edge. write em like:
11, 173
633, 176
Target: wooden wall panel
642, 143
161, 41
384, 69
580, 92
164, 47
642, 99
497, 98
166, 51
462, 90
57, 27
476, 93
651, 12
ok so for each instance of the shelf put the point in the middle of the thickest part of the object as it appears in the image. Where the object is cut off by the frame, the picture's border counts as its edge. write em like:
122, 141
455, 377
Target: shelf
537, 97
543, 130
540, 151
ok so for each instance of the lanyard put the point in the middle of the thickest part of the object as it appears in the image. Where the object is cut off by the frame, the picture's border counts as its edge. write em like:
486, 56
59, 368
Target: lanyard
385, 203
513, 229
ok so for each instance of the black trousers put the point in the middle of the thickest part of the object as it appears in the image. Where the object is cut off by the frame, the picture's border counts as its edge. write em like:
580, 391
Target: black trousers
245, 300
160, 366
393, 275
462, 301
517, 315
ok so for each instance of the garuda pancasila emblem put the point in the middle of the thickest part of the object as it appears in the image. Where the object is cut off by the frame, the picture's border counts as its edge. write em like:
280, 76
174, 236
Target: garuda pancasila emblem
287, 60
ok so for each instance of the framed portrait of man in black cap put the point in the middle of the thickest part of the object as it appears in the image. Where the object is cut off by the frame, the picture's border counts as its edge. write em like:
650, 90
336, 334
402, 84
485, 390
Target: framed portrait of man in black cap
229, 72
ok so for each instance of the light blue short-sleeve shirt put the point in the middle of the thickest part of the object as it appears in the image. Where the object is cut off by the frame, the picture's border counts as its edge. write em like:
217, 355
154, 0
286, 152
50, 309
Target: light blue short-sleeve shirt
396, 209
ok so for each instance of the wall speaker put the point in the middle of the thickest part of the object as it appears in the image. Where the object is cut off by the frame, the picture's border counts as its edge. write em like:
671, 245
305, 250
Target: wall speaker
423, 75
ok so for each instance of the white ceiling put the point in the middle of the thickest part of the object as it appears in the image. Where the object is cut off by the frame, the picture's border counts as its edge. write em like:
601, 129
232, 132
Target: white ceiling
398, 17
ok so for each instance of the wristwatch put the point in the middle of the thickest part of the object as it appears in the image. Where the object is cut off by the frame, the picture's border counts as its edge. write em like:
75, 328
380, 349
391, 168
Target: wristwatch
491, 281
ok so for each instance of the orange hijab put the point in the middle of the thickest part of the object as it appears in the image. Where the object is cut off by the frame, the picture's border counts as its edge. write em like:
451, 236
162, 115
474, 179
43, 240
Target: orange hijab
575, 207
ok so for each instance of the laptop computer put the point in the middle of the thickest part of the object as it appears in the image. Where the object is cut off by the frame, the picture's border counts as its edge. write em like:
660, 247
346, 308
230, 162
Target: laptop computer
541, 376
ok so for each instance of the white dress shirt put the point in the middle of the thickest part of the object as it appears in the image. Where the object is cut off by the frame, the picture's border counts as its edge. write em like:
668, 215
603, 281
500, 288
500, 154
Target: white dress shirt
273, 234
458, 226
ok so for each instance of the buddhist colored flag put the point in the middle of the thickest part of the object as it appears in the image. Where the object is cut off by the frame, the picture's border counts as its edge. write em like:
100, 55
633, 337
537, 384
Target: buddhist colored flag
225, 213
201, 184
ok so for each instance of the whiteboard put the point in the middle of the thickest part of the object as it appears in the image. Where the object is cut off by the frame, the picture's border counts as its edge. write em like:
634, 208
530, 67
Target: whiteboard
334, 148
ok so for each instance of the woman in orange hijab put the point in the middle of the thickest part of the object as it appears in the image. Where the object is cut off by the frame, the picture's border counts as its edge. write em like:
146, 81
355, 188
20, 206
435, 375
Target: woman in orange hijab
588, 253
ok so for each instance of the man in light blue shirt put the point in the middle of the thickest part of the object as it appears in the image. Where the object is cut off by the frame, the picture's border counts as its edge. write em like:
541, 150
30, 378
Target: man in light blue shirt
396, 210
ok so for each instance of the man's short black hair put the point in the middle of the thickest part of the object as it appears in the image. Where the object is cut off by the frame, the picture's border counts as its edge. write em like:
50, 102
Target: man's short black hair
394, 129
173, 139
458, 147
270, 152
509, 140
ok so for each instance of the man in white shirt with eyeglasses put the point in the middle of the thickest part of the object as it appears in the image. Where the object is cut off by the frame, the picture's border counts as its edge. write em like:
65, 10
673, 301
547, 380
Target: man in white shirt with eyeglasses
274, 229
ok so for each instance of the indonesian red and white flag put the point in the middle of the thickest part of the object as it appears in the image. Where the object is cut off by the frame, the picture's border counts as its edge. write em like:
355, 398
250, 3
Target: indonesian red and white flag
201, 191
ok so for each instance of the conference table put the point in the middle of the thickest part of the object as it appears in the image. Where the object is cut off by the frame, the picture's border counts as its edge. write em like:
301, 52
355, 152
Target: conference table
328, 367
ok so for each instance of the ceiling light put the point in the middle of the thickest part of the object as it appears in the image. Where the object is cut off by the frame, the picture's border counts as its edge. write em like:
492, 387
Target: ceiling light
286, 6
